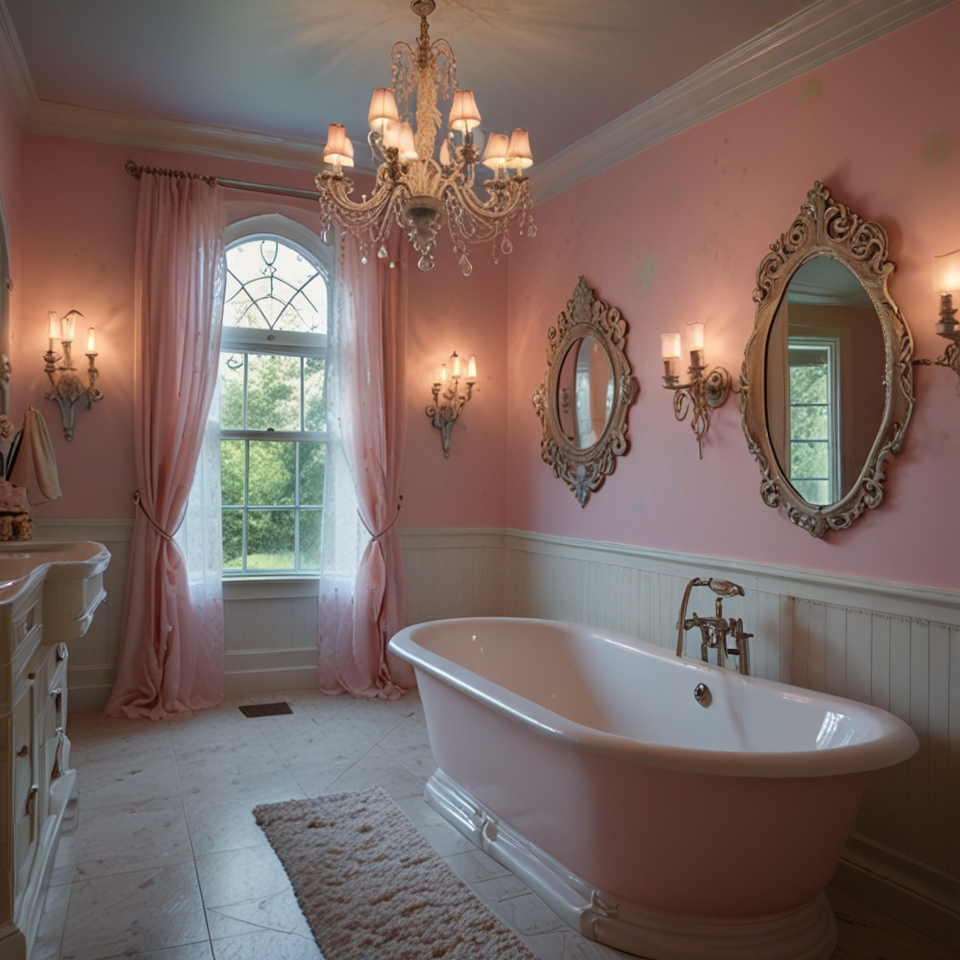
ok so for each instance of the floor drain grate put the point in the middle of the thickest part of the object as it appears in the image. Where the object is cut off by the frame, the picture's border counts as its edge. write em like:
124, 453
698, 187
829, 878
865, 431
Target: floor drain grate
266, 709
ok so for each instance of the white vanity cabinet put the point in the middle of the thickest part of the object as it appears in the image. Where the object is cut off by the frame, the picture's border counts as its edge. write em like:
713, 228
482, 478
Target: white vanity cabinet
49, 591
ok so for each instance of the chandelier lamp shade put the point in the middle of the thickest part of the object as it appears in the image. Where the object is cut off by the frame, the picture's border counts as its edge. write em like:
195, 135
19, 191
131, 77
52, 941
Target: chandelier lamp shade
422, 184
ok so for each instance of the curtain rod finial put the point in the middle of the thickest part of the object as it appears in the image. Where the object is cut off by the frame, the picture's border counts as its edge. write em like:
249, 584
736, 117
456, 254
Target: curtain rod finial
133, 169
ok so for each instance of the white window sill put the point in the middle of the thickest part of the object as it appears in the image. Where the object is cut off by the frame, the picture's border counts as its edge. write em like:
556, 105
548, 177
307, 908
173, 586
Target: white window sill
271, 588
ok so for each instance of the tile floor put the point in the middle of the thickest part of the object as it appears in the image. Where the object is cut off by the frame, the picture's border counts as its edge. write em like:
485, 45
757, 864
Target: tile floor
161, 858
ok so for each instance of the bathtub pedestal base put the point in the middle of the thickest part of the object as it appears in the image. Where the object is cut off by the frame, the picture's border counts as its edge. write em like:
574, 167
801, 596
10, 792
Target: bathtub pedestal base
807, 933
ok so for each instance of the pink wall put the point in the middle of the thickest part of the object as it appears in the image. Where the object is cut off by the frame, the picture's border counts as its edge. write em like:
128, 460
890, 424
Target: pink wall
677, 233
11, 190
451, 312
77, 243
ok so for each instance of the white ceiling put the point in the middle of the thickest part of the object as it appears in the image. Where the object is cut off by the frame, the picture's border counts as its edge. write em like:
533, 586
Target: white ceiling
561, 68
283, 69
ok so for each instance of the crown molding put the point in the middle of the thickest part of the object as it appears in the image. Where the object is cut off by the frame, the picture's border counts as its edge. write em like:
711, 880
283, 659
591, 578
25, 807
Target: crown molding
14, 70
156, 133
815, 35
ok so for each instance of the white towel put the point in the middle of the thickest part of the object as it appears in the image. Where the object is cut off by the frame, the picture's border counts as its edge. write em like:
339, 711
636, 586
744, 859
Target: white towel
36, 466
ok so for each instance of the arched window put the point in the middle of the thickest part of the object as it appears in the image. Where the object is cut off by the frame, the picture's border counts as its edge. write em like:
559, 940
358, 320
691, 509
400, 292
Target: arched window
273, 376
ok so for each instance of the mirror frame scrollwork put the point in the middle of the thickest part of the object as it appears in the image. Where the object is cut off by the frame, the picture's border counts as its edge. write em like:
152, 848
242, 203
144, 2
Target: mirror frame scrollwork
826, 227
584, 470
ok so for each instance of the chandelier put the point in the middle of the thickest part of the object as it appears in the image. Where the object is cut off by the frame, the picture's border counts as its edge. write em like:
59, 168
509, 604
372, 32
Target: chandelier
419, 187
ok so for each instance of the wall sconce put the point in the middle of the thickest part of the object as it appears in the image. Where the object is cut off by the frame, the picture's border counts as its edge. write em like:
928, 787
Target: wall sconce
946, 282
443, 414
68, 390
704, 390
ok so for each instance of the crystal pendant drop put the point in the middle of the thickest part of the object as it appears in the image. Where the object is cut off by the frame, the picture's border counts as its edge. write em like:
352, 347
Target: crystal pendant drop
363, 259
466, 265
532, 231
425, 263
382, 252
506, 245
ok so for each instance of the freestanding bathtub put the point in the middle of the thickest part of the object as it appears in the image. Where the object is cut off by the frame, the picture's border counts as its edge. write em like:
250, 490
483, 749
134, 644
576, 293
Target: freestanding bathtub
581, 760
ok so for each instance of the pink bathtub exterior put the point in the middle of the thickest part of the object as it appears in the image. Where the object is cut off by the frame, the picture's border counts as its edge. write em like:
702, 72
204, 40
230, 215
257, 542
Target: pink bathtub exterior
591, 745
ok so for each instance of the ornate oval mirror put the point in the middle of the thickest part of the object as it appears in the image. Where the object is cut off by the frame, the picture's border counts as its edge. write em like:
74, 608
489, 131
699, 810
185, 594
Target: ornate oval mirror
827, 383
583, 399
584, 391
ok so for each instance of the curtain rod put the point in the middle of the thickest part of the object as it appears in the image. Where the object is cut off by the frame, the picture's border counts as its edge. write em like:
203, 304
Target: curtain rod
135, 171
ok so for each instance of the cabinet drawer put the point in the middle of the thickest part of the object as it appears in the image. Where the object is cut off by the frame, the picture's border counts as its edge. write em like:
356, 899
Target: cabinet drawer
27, 625
25, 792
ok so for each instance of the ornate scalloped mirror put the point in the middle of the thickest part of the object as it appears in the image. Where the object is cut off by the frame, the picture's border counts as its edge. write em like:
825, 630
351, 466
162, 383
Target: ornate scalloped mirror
583, 399
827, 379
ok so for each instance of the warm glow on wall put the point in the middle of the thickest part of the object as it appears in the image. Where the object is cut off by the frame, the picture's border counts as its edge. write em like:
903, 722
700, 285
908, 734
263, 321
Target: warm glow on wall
66, 387
447, 400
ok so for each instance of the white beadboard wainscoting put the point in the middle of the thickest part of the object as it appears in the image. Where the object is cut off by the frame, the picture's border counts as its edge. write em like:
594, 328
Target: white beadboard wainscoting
892, 645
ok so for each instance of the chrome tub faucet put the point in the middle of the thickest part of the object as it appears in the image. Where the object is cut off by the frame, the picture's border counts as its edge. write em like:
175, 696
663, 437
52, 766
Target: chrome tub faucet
716, 631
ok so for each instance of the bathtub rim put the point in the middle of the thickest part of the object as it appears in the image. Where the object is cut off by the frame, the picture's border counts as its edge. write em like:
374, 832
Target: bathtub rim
896, 743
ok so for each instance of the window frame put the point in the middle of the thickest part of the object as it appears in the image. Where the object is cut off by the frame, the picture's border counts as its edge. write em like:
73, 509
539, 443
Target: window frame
831, 347
262, 340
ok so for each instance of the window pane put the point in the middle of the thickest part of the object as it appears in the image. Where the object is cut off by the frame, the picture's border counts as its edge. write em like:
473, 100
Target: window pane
273, 392
813, 491
809, 460
809, 384
232, 539
314, 393
270, 539
271, 285
272, 473
231, 472
231, 391
809, 423
311, 529
312, 468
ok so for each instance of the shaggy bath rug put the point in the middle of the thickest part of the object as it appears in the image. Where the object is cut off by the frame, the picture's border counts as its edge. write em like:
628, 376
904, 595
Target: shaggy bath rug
371, 887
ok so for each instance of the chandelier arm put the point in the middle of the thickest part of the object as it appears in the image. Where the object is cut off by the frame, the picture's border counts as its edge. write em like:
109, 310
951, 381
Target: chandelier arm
418, 192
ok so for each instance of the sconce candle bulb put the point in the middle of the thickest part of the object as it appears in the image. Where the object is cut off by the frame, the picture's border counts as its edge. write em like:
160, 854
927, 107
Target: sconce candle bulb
946, 282
66, 387
703, 391
448, 402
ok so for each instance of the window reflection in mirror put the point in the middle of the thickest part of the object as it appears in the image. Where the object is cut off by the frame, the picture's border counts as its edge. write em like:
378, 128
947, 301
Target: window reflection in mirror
585, 392
825, 380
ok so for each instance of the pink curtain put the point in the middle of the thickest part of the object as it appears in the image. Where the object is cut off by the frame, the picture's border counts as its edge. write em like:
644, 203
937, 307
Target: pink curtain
171, 654
371, 371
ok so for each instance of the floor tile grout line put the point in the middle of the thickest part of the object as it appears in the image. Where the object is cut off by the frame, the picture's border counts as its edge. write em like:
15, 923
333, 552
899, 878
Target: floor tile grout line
193, 849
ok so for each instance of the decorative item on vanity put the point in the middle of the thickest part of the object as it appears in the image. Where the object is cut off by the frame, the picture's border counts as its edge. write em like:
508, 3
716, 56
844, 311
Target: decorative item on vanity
827, 379
415, 189
446, 412
68, 389
28, 471
585, 393
715, 630
704, 391
594, 796
946, 282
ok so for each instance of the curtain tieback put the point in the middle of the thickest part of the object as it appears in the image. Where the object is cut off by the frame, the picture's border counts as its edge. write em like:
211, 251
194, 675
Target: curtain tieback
375, 537
153, 523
